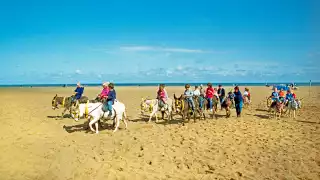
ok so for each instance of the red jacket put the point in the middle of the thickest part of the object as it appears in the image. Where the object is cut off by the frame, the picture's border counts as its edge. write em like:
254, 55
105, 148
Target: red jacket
209, 92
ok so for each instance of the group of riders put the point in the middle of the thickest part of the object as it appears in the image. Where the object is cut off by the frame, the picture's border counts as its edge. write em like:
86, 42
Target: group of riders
210, 94
282, 97
107, 96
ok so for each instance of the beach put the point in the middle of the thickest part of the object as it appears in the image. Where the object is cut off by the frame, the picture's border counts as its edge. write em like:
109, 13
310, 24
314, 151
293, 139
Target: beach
36, 145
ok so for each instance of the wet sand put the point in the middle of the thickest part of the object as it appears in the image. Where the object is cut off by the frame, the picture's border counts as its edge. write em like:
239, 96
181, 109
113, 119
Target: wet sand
36, 145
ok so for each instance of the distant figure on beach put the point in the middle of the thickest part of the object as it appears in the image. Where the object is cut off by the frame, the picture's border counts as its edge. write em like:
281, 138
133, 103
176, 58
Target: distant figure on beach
77, 93
209, 95
289, 96
110, 98
189, 96
247, 94
165, 91
162, 96
202, 93
238, 100
221, 93
196, 91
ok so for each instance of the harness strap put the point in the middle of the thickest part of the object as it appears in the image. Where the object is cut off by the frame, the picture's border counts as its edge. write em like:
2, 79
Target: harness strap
182, 105
86, 110
63, 101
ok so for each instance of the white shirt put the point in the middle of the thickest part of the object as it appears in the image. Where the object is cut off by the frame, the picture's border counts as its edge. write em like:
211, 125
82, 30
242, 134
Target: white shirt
245, 93
196, 92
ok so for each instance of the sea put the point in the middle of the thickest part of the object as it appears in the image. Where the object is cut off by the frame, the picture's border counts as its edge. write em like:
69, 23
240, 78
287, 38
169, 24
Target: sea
157, 84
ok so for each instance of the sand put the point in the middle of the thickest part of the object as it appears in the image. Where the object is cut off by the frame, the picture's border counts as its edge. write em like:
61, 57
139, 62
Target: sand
36, 145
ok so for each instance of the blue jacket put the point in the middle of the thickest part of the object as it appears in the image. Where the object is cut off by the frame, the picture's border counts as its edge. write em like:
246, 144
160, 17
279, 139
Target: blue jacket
275, 96
112, 95
238, 97
289, 97
79, 91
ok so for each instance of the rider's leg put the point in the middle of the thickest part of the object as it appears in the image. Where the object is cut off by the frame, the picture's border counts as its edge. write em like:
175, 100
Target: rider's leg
109, 103
210, 103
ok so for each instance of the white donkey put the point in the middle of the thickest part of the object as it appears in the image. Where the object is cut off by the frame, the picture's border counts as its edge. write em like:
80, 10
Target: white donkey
152, 106
94, 111
293, 106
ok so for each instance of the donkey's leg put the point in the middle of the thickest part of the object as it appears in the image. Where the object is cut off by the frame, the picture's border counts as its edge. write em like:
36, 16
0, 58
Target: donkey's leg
156, 116
97, 127
150, 117
63, 112
118, 119
95, 119
125, 120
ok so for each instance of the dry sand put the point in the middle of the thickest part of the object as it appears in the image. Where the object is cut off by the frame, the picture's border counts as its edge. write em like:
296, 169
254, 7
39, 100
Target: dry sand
34, 145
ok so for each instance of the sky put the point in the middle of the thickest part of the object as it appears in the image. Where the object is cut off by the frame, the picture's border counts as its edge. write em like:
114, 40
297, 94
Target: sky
159, 41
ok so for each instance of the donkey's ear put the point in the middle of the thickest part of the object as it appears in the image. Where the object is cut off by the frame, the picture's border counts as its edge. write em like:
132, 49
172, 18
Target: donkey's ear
56, 95
142, 99
181, 96
174, 95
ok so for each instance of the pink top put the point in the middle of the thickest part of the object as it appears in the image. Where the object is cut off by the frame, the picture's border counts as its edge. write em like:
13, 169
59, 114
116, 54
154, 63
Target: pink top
162, 95
104, 92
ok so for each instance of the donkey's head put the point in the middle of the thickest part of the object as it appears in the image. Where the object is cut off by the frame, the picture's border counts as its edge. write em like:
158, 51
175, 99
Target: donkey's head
54, 102
178, 103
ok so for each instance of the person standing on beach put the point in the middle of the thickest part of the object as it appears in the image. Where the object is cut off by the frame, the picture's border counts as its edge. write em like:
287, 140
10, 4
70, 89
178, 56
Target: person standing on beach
221, 94
202, 91
77, 93
188, 94
209, 95
238, 100
196, 91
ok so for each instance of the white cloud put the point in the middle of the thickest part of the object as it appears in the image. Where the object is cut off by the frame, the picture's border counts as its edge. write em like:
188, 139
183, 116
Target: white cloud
168, 50
179, 68
78, 71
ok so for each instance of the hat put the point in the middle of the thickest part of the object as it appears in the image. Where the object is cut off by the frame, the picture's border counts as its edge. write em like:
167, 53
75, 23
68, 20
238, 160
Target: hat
220, 85
105, 84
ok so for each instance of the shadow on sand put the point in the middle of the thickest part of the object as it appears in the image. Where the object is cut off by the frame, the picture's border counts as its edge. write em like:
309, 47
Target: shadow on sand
59, 117
85, 127
262, 116
310, 122
262, 110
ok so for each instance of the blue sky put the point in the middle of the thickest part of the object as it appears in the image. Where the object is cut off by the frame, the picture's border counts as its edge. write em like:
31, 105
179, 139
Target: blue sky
159, 41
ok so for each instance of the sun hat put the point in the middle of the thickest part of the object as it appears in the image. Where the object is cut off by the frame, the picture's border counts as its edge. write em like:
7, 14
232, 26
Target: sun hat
105, 84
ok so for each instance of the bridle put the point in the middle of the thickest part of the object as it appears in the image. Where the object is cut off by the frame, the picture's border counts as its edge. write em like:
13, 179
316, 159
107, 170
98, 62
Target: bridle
179, 104
76, 112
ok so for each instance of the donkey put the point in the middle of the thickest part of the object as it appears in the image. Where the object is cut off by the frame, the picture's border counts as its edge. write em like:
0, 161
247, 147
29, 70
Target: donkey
65, 102
293, 106
182, 107
95, 112
200, 104
246, 102
152, 106
226, 104
278, 109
